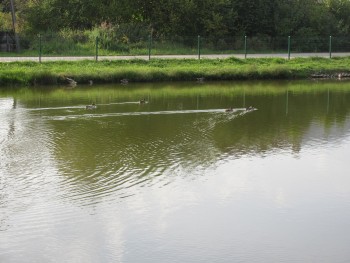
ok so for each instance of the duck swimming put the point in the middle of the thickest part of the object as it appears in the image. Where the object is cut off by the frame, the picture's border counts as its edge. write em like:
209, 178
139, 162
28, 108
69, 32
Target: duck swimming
143, 101
71, 82
91, 107
229, 109
124, 81
200, 80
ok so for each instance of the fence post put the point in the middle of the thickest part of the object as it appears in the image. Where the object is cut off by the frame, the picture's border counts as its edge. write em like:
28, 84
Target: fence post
149, 46
330, 46
287, 102
199, 46
96, 51
40, 48
245, 46
288, 47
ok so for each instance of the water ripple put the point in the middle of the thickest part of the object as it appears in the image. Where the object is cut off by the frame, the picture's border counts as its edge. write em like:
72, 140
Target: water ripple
121, 168
117, 114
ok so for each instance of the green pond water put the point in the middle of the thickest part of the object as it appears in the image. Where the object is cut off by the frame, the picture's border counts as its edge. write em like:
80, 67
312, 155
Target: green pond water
176, 179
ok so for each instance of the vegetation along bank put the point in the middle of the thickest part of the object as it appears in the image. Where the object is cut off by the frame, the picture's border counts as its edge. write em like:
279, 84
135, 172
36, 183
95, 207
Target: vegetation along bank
88, 72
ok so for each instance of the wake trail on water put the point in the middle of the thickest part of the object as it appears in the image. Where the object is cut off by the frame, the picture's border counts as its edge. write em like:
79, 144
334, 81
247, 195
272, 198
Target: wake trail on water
233, 113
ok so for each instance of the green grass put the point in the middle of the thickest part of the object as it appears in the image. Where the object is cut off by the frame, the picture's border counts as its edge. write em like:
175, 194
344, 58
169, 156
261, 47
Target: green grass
155, 70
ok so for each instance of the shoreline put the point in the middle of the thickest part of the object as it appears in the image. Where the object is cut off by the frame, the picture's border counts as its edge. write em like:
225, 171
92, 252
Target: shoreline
29, 73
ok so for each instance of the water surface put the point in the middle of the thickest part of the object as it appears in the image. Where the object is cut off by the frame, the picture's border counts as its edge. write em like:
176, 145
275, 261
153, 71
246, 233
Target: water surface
176, 179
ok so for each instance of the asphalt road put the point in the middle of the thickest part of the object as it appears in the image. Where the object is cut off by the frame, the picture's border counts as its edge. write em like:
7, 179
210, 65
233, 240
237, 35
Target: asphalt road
218, 56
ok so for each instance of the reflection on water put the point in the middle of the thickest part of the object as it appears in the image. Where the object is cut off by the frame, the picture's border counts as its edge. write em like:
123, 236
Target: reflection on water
177, 179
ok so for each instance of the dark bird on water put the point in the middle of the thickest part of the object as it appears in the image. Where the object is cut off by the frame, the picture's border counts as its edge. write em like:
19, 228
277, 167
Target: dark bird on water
91, 107
124, 81
143, 101
200, 80
71, 82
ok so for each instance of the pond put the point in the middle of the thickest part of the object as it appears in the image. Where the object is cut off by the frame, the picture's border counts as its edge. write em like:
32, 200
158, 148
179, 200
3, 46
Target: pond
177, 178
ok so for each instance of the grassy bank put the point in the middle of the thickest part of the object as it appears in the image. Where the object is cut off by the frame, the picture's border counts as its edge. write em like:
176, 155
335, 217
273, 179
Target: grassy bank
53, 73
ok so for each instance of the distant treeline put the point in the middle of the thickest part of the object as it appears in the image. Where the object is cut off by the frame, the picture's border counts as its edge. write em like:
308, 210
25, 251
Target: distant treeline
214, 18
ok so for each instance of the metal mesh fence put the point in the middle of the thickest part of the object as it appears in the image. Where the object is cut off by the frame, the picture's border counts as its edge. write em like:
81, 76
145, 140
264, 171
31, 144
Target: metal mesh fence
89, 45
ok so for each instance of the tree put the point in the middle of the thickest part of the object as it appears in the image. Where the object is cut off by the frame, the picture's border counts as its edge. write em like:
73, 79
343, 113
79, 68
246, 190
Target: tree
340, 9
216, 18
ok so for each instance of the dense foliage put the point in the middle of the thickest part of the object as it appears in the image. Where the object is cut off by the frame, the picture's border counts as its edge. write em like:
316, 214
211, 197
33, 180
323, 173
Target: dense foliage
214, 18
